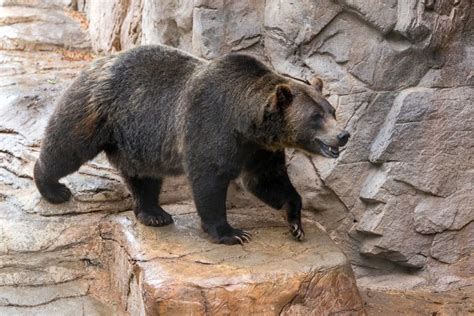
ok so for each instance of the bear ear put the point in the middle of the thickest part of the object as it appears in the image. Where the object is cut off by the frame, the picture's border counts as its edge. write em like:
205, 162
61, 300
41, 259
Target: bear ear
317, 83
281, 97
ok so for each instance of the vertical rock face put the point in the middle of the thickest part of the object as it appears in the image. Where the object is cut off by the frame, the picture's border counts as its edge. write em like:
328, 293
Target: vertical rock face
223, 26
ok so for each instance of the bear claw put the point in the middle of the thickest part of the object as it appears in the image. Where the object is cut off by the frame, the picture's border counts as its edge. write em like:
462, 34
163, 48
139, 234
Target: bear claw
297, 231
246, 236
233, 237
241, 241
238, 237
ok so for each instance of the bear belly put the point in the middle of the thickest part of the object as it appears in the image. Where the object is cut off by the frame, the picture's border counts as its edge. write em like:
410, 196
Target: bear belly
158, 165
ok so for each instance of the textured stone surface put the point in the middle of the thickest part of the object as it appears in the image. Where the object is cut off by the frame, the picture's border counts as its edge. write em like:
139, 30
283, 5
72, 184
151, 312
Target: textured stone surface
223, 26
50, 4
131, 30
48, 265
40, 29
89, 256
178, 273
402, 295
401, 76
106, 19
169, 22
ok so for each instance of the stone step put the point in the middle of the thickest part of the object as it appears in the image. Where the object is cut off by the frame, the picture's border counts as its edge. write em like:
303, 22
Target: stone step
25, 28
175, 270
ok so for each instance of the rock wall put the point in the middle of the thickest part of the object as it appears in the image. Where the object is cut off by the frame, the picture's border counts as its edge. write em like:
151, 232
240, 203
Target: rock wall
400, 73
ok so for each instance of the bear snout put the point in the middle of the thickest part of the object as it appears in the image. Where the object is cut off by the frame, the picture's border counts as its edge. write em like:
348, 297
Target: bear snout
343, 137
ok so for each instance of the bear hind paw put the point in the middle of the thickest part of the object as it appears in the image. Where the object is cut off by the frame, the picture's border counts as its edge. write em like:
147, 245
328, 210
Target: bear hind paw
55, 193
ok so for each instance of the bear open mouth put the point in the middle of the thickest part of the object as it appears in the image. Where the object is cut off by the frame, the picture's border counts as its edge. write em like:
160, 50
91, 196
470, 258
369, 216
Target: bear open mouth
329, 151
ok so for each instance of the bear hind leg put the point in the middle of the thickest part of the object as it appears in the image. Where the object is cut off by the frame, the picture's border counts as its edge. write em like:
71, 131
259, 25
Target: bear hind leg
50, 188
145, 192
59, 157
56, 162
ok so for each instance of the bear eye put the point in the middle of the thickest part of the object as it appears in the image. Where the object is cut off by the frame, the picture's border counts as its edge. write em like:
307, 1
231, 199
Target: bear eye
316, 117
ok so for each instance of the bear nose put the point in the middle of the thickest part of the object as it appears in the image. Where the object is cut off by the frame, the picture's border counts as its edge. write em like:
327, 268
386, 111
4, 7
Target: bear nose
343, 137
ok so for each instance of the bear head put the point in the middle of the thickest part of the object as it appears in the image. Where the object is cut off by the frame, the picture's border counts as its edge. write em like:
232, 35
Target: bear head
309, 120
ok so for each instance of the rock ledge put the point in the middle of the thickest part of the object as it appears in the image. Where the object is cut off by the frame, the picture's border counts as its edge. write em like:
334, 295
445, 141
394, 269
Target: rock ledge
174, 270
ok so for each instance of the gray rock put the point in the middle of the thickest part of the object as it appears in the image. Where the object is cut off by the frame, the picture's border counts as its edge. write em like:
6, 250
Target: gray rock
289, 27
45, 4
451, 246
223, 26
435, 214
105, 23
168, 22
381, 14
328, 208
434, 164
40, 29
390, 232
131, 30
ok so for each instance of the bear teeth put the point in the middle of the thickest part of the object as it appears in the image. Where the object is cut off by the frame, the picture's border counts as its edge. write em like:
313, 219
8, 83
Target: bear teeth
334, 151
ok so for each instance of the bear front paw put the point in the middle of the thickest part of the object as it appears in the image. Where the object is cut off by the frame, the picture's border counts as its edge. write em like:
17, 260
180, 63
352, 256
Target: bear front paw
297, 231
238, 236
156, 217
225, 234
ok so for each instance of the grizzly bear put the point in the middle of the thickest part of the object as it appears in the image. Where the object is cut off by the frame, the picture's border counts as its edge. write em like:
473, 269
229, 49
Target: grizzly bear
157, 111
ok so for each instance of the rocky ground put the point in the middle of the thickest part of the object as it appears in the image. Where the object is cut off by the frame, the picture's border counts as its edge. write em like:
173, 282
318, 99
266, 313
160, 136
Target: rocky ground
90, 257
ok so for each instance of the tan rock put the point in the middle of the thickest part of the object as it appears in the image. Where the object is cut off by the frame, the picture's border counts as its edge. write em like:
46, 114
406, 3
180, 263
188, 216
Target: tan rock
177, 271
400, 295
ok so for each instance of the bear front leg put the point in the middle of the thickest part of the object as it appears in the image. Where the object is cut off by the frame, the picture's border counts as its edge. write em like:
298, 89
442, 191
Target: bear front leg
209, 196
265, 177
145, 192
278, 193
293, 216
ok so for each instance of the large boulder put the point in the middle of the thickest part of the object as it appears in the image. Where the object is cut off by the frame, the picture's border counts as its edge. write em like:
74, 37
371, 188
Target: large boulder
174, 270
